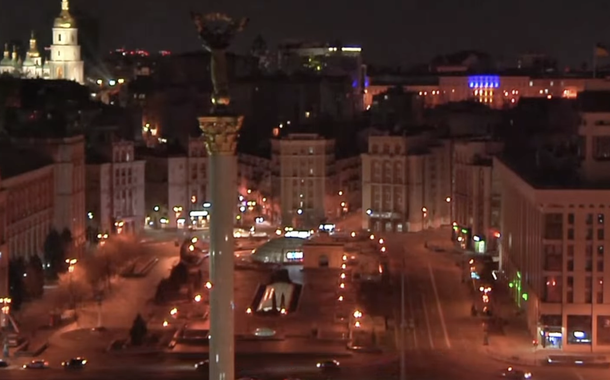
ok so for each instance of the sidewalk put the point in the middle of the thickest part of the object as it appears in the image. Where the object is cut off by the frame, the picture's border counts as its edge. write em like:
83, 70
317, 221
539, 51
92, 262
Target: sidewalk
510, 341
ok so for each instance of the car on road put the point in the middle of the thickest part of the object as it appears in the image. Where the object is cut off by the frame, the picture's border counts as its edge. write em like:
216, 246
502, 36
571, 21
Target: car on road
74, 363
203, 365
516, 374
3, 363
37, 364
329, 365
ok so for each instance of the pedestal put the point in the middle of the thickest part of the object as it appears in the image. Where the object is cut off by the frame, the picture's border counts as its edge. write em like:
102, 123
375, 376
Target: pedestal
220, 133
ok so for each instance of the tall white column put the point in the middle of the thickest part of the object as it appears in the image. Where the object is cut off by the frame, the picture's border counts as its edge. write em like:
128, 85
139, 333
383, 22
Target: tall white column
221, 134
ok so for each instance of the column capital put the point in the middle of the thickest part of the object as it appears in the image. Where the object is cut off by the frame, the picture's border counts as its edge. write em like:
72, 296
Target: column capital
220, 133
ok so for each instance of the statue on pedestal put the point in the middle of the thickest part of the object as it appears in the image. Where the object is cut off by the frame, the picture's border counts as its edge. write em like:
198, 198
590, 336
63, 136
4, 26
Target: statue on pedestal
217, 31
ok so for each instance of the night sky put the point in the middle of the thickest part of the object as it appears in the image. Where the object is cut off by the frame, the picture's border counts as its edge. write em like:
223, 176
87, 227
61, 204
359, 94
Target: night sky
390, 31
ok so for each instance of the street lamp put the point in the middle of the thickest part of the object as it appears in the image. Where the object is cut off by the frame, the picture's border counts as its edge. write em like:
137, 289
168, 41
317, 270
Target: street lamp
208, 285
6, 308
198, 298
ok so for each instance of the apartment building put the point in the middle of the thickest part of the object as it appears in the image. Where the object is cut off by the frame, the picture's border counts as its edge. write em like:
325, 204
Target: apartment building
476, 199
553, 245
406, 183
68, 155
26, 205
115, 189
187, 176
303, 173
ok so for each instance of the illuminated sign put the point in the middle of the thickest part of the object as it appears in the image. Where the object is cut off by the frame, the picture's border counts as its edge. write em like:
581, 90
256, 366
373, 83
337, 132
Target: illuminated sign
298, 234
294, 255
484, 81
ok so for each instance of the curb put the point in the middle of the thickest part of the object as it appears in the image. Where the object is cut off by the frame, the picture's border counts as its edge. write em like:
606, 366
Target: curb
513, 360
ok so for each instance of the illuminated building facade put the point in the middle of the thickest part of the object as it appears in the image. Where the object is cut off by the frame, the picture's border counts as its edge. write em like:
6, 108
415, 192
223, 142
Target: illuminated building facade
303, 170
497, 91
188, 186
475, 199
26, 205
554, 241
406, 184
68, 155
115, 190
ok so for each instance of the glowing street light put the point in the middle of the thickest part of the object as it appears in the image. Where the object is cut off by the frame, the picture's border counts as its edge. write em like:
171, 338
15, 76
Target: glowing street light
357, 314
198, 298
165, 323
340, 299
342, 286
208, 285
383, 249
343, 275
191, 248
283, 311
381, 241
353, 234
357, 324
344, 258
194, 240
448, 199
173, 312
343, 266
249, 311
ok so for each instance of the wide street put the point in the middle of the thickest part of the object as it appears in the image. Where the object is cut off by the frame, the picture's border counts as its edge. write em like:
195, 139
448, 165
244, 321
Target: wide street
441, 340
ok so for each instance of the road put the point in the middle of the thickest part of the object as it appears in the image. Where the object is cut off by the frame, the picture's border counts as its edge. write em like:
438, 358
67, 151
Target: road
444, 343
443, 338
437, 365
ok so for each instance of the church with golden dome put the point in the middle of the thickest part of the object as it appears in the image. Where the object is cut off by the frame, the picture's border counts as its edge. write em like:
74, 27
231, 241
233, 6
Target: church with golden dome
64, 62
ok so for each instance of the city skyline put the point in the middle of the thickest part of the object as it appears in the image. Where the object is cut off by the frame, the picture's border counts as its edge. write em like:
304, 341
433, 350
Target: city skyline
505, 31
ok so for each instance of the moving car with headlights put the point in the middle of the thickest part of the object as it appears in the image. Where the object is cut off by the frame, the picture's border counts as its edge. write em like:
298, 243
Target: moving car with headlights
516, 374
74, 363
328, 365
37, 364
203, 365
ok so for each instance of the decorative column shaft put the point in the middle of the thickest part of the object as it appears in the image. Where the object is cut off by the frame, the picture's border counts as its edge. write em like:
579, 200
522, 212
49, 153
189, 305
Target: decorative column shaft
220, 133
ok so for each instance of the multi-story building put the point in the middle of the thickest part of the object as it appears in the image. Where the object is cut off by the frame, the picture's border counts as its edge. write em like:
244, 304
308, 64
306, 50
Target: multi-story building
496, 91
303, 174
26, 215
254, 185
68, 156
187, 186
475, 199
115, 189
406, 183
349, 184
326, 59
553, 225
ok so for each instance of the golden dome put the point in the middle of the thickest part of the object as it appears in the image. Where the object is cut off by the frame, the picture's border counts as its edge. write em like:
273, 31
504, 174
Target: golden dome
65, 19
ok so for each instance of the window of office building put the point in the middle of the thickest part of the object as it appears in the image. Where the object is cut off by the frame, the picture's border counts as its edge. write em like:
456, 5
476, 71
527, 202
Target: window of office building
553, 258
553, 226
601, 148
570, 258
570, 290
552, 289
588, 289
